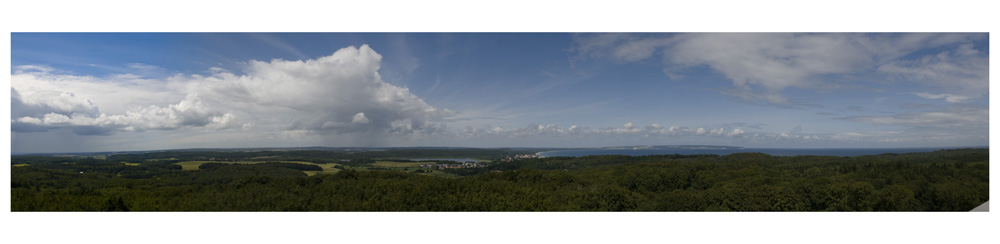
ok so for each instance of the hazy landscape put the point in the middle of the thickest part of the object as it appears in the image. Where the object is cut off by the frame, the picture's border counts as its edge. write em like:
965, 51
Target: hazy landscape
499, 122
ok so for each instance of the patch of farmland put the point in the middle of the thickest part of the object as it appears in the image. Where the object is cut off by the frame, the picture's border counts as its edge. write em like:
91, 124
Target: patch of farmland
327, 168
391, 164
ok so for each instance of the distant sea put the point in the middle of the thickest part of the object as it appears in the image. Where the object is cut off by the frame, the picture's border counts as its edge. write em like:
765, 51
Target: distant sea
771, 151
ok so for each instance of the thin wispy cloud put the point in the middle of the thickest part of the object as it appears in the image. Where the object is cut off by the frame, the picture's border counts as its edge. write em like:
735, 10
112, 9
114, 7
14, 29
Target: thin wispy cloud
761, 66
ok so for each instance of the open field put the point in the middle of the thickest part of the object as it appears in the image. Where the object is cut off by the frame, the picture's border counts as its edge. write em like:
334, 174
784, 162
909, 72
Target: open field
158, 159
131, 164
20, 165
327, 168
193, 165
391, 164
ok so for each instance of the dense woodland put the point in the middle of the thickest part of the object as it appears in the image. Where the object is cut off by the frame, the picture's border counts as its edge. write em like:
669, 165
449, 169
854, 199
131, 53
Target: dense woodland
948, 180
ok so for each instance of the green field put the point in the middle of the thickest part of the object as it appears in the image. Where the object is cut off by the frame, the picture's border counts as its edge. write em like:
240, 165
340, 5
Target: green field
158, 159
391, 164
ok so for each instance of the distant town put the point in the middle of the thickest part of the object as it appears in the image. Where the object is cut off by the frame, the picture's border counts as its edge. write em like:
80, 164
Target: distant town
471, 164
522, 156
459, 165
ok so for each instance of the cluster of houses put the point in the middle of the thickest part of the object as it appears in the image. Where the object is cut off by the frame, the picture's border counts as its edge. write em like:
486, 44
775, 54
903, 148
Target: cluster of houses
460, 165
521, 156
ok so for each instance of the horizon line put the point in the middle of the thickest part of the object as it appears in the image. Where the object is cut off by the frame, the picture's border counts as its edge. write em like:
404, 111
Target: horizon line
452, 147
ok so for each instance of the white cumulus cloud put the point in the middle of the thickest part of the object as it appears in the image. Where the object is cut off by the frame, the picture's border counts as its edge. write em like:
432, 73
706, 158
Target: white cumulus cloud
359, 118
322, 95
736, 132
190, 112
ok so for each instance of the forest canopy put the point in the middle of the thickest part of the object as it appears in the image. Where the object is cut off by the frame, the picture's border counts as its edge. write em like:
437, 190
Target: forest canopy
947, 180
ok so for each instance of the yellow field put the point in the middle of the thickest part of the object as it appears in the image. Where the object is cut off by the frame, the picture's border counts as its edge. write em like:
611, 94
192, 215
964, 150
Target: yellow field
20, 165
192, 165
131, 164
327, 168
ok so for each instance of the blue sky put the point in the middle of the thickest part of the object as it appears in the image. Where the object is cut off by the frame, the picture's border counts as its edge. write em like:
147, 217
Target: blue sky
140, 91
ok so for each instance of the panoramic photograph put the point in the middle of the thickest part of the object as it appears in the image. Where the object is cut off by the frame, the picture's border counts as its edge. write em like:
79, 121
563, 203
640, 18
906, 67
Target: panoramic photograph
499, 122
